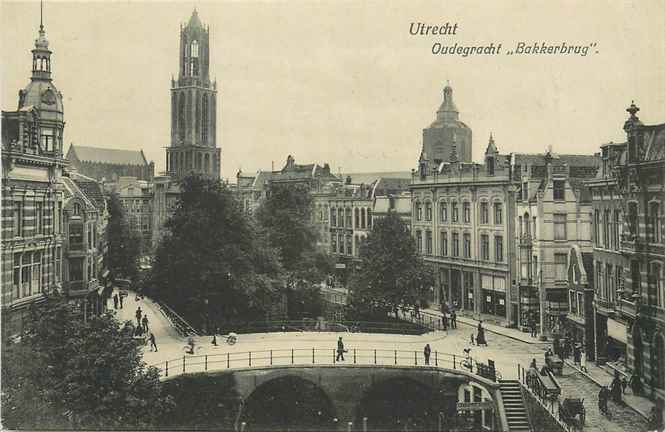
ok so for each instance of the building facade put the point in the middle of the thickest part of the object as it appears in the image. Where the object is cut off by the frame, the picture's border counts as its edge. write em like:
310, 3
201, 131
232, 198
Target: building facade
32, 193
463, 223
136, 197
108, 165
640, 179
84, 245
610, 326
193, 146
553, 213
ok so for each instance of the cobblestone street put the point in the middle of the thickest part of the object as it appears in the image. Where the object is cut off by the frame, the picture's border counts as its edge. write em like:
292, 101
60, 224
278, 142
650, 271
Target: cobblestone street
622, 418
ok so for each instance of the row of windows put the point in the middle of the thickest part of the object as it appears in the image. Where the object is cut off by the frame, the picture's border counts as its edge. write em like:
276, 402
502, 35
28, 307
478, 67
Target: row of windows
342, 217
559, 221
427, 249
652, 221
42, 211
655, 287
607, 229
31, 273
454, 212
609, 279
558, 190
345, 244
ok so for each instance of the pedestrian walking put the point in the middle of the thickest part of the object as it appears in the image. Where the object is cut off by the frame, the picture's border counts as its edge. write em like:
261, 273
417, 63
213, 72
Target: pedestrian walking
480, 338
576, 354
138, 316
144, 321
340, 349
427, 351
444, 319
583, 361
453, 319
120, 298
153, 344
615, 387
603, 396
534, 332
472, 341
115, 301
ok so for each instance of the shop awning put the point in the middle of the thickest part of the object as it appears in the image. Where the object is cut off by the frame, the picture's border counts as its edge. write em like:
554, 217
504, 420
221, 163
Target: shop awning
616, 331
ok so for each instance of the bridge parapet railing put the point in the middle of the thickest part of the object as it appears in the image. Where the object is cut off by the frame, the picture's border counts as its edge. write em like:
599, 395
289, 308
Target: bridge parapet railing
178, 322
310, 356
531, 382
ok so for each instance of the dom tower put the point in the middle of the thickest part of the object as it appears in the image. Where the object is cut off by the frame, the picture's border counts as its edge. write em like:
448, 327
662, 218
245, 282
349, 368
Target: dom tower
193, 108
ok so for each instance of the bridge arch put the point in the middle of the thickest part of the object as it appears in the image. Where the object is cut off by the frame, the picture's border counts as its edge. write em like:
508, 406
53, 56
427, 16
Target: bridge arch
287, 401
401, 400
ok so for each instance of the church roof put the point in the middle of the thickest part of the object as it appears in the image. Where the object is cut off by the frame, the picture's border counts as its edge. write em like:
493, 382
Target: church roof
107, 156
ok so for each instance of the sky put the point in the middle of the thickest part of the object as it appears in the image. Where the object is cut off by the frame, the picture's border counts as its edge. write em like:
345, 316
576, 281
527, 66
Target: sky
344, 82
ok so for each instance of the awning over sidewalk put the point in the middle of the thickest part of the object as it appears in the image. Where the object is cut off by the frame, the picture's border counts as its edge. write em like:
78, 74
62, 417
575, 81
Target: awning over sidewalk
617, 331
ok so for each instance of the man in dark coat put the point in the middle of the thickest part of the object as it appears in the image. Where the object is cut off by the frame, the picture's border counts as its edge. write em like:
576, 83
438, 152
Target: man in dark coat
453, 319
340, 349
427, 351
153, 344
115, 301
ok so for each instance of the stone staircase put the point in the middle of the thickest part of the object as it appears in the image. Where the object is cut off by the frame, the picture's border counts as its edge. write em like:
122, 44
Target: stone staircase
513, 402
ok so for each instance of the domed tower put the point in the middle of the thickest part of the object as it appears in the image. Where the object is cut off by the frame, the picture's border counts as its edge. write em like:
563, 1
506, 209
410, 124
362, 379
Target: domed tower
193, 107
446, 133
42, 95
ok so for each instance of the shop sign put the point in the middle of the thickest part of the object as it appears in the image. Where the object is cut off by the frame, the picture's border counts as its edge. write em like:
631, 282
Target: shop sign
475, 406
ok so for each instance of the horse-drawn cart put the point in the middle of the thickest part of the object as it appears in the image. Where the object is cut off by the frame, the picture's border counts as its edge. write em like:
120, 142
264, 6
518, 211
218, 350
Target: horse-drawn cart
569, 409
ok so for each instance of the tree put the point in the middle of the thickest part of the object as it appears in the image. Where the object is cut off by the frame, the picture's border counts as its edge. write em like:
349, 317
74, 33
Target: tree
392, 272
124, 243
85, 375
212, 265
286, 219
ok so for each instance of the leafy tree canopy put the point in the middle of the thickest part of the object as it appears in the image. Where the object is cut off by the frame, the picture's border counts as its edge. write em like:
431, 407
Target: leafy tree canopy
392, 274
124, 243
66, 373
212, 265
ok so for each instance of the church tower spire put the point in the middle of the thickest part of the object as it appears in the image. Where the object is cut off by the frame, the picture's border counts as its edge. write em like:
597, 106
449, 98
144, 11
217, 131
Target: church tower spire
193, 146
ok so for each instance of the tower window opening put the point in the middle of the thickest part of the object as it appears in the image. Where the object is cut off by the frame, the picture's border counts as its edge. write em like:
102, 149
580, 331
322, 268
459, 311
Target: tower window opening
195, 49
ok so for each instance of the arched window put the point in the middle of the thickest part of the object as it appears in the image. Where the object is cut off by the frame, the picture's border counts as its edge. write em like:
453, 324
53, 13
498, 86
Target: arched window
527, 230
182, 126
658, 356
194, 49
428, 211
204, 121
419, 211
188, 113
197, 115
655, 277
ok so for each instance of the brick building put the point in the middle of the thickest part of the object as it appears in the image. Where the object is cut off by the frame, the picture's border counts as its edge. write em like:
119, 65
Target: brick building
641, 301
32, 193
463, 223
553, 213
110, 164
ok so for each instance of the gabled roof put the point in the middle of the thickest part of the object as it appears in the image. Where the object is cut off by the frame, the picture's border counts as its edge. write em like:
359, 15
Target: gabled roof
91, 188
73, 191
107, 156
390, 186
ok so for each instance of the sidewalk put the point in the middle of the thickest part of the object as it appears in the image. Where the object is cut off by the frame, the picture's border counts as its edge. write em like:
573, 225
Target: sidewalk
492, 328
603, 377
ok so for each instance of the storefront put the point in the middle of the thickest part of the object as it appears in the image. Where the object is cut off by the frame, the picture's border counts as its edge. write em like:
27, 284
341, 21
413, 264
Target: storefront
616, 342
493, 290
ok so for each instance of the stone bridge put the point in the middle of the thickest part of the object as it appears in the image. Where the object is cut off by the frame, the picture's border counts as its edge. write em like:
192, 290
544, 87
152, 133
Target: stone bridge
339, 394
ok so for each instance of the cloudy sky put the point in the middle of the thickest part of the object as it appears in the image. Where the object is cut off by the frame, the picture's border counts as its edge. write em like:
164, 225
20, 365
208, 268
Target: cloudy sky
344, 82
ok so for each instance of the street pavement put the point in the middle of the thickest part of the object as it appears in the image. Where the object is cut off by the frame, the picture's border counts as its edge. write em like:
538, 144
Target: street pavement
507, 352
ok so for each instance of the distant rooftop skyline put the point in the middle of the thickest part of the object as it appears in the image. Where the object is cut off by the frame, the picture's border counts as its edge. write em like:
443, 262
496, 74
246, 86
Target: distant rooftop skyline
344, 83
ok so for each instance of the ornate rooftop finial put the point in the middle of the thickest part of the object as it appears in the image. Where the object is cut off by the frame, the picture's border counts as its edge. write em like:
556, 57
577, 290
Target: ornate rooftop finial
632, 109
